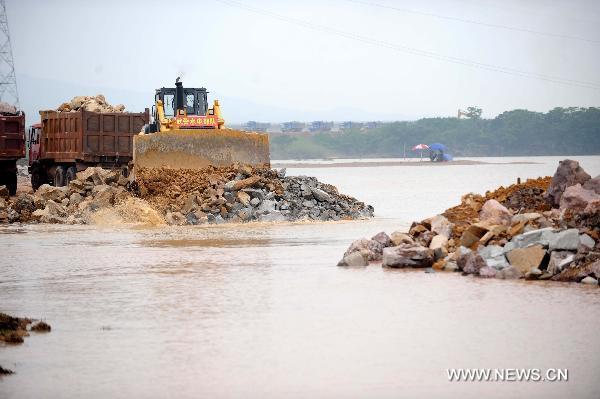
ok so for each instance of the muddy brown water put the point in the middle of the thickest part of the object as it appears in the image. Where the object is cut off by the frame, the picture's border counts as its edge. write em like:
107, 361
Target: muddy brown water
261, 310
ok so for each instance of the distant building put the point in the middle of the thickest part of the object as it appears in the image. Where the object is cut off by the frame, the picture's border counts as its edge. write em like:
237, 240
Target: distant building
372, 125
293, 126
253, 126
350, 125
320, 126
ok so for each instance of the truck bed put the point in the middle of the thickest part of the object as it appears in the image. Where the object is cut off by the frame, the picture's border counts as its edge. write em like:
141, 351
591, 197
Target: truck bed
12, 137
89, 137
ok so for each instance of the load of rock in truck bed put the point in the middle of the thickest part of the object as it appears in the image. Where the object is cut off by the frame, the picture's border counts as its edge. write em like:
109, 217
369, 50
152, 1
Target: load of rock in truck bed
542, 229
90, 103
185, 197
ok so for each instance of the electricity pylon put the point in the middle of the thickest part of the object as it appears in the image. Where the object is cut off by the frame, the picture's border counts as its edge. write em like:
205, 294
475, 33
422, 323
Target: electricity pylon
8, 80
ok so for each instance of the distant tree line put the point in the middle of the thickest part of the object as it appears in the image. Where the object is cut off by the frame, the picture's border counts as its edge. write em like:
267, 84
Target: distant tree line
561, 131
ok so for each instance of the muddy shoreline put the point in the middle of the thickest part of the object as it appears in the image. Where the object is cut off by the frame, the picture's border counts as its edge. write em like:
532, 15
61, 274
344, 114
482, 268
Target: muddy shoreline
362, 164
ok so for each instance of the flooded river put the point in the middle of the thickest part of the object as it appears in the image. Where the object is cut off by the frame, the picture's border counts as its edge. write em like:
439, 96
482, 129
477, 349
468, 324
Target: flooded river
262, 311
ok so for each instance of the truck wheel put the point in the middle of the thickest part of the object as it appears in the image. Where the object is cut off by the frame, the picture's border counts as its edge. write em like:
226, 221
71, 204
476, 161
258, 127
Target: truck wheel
125, 171
71, 175
11, 184
38, 176
60, 176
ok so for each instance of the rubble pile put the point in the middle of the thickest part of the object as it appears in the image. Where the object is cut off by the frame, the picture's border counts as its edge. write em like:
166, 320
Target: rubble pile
241, 193
183, 197
90, 103
543, 229
519, 198
13, 330
8, 109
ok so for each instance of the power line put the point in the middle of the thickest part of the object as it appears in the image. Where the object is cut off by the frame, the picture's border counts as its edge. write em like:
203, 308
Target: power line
414, 51
474, 22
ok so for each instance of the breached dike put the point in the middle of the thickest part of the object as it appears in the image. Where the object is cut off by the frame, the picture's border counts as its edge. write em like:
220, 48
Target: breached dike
213, 195
542, 229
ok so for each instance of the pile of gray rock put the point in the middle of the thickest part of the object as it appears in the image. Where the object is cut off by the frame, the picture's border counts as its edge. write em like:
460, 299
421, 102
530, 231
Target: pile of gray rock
561, 244
247, 198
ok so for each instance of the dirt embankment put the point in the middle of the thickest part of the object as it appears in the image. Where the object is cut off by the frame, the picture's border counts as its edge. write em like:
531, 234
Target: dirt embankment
520, 198
238, 193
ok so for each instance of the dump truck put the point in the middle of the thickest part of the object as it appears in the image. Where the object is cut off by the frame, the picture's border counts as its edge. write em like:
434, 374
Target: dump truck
12, 147
185, 134
64, 143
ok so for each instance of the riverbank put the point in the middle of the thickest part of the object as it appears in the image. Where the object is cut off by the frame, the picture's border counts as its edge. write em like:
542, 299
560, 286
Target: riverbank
374, 163
542, 229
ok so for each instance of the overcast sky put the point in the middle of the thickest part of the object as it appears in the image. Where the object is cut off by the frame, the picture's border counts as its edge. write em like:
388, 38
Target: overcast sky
307, 60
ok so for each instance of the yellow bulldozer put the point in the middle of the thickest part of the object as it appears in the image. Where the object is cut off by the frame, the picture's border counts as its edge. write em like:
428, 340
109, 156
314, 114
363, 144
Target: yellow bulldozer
185, 134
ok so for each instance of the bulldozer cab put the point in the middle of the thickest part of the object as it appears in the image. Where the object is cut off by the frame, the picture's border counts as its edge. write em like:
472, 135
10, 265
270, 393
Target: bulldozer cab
183, 108
194, 102
187, 134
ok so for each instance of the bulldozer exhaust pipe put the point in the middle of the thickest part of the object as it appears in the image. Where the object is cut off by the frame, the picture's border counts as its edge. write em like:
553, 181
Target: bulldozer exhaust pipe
179, 97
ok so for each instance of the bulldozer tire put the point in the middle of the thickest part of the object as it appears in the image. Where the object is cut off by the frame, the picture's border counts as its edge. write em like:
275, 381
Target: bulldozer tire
70, 175
60, 176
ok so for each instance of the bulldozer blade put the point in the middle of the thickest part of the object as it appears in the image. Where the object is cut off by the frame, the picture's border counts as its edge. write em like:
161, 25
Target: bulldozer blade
197, 149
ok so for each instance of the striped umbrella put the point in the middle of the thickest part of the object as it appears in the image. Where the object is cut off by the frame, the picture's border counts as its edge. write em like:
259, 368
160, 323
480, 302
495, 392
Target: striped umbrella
420, 147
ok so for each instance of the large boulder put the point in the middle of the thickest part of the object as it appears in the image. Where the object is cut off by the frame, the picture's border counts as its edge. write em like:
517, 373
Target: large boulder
567, 174
354, 259
104, 196
236, 185
495, 213
535, 237
471, 236
470, 262
559, 260
243, 198
275, 216
578, 198
51, 193
593, 185
586, 242
407, 256
509, 273
52, 213
439, 246
372, 249
98, 175
441, 226
493, 256
321, 195
383, 239
399, 238
487, 272
526, 259
24, 203
564, 240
